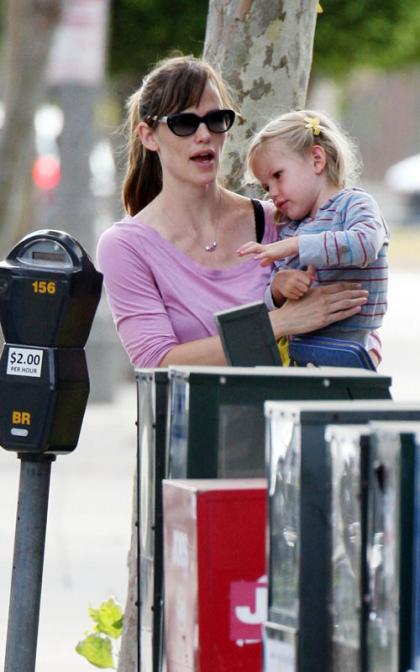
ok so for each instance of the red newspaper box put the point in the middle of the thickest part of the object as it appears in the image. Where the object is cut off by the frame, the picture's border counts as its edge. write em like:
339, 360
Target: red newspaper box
215, 574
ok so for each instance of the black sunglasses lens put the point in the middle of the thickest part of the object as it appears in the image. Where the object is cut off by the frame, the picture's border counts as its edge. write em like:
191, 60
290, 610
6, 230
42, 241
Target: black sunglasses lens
220, 121
185, 123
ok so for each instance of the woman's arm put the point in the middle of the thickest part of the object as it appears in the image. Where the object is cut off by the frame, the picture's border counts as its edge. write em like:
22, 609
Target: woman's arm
138, 309
205, 351
318, 308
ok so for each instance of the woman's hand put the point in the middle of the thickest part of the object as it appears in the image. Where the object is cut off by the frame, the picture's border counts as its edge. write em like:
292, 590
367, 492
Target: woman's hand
319, 307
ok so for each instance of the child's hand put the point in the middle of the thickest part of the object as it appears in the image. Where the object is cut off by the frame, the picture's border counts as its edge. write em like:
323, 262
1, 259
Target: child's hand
294, 284
272, 252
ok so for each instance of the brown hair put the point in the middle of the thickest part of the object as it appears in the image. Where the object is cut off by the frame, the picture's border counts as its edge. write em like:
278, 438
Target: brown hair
173, 85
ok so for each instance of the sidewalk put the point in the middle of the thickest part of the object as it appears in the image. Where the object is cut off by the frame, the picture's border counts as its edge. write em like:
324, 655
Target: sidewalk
88, 530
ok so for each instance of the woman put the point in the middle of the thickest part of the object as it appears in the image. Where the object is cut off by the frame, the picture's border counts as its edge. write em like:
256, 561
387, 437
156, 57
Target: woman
172, 261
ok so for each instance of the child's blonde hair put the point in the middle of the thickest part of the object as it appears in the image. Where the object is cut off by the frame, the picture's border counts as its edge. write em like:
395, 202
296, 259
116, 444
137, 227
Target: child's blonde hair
300, 130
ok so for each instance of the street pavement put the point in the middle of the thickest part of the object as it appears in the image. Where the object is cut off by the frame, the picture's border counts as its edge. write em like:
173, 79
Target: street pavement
400, 333
91, 495
88, 530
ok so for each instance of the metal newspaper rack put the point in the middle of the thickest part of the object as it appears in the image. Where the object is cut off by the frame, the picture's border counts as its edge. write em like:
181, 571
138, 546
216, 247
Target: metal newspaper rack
316, 459
208, 422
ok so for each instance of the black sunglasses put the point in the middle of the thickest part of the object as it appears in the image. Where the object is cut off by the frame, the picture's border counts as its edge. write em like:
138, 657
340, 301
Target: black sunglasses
186, 123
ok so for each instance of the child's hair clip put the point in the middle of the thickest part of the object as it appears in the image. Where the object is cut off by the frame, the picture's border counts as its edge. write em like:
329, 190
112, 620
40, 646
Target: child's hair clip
314, 124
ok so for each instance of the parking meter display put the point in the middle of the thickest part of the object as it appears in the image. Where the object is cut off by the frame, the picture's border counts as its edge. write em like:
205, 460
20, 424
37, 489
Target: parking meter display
46, 253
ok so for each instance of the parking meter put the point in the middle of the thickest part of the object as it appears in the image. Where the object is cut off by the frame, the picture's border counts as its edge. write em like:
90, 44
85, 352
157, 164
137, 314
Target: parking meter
49, 292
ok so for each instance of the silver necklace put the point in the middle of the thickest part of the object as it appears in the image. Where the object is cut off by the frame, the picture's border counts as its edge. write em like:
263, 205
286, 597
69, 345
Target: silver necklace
213, 244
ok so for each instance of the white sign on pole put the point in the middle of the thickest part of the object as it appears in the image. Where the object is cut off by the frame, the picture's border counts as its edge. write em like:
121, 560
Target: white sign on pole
78, 50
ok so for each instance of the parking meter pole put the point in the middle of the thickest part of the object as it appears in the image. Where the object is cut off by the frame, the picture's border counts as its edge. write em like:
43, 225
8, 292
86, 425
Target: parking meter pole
28, 561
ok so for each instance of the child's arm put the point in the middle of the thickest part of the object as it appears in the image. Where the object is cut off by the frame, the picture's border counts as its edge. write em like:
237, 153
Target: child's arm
363, 235
271, 252
293, 283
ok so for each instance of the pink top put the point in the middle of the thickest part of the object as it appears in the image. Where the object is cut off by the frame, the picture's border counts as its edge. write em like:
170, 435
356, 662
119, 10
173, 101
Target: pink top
160, 297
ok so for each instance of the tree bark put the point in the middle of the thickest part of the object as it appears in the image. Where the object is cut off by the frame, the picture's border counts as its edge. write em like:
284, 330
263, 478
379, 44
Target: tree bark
263, 49
30, 26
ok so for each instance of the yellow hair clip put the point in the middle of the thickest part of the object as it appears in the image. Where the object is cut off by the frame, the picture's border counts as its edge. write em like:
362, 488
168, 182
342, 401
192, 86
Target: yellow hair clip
314, 124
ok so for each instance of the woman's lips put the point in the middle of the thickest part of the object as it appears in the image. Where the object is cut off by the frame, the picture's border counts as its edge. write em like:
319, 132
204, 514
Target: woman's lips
204, 157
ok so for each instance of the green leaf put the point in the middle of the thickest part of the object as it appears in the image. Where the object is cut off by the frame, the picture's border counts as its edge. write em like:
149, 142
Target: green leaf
108, 618
97, 649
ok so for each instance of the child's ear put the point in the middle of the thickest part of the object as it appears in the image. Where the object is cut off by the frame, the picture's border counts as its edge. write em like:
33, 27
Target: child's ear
319, 158
147, 136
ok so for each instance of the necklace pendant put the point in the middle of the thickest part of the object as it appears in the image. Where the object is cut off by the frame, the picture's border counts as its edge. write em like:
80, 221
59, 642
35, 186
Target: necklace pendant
211, 247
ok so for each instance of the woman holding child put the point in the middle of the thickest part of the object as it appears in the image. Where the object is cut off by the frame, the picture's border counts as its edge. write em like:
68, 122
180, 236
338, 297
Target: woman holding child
172, 261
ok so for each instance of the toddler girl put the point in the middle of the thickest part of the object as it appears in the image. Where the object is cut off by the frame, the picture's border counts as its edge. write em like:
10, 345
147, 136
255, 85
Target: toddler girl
328, 230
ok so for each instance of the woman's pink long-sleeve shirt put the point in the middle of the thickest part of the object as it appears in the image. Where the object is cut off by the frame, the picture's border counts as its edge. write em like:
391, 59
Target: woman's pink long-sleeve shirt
160, 297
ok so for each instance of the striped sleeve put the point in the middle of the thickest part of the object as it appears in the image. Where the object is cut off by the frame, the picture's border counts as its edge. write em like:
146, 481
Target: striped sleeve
363, 233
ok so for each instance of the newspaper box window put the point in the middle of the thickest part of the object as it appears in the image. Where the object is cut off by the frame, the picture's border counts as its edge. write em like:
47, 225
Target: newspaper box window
216, 415
392, 558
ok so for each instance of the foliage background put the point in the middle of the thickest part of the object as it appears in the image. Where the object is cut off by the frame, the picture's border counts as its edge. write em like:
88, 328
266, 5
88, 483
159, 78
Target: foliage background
349, 35
144, 31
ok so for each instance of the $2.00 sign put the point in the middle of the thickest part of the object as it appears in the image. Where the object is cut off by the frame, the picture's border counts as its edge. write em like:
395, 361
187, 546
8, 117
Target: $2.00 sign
24, 362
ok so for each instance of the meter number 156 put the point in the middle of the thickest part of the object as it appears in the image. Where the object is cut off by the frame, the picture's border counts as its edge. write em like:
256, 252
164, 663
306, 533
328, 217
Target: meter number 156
44, 287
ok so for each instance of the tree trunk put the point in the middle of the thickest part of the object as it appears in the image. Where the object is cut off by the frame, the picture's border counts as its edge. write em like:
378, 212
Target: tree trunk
263, 49
30, 26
